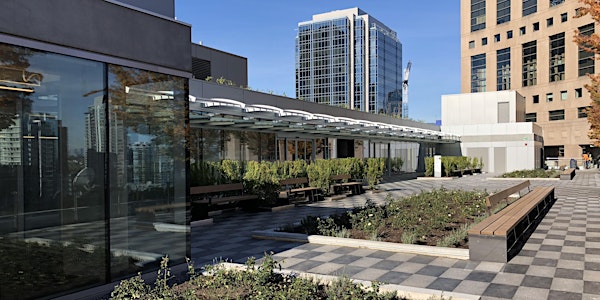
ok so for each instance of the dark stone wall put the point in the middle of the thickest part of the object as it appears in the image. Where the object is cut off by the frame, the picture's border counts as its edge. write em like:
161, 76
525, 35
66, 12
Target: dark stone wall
101, 27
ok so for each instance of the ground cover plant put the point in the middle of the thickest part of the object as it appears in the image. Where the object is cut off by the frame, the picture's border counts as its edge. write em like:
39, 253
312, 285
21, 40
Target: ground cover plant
436, 218
537, 173
252, 282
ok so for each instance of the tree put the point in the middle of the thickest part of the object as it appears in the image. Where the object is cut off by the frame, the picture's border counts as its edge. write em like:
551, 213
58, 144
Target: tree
591, 43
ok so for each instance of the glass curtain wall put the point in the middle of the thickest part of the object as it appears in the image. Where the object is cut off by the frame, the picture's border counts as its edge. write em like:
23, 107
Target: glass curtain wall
52, 186
60, 228
147, 159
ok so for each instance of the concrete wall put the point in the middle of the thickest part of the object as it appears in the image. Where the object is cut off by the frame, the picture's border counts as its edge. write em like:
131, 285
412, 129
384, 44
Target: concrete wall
100, 27
223, 64
503, 147
482, 108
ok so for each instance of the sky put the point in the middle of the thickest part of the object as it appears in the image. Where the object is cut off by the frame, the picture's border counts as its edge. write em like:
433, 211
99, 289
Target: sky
264, 32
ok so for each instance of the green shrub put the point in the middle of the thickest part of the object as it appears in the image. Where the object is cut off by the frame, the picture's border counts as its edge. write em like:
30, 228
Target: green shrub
319, 174
429, 165
262, 180
374, 171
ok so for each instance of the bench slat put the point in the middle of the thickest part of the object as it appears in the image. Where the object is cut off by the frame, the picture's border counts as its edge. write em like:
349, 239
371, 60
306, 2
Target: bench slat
493, 200
531, 204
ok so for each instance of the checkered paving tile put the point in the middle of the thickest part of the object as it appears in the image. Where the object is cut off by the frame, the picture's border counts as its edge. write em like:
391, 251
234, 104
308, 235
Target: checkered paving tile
561, 259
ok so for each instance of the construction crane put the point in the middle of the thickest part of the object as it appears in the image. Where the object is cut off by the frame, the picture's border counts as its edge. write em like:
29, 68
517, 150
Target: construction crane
405, 91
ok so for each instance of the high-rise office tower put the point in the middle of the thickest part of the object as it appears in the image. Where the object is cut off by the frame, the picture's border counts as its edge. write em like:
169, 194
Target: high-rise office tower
527, 46
347, 58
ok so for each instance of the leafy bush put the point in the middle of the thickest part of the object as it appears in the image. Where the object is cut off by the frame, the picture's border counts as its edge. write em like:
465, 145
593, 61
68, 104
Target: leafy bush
451, 164
319, 174
374, 171
429, 165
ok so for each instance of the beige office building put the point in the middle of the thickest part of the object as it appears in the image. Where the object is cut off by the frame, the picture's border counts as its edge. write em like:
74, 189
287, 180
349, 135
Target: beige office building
527, 46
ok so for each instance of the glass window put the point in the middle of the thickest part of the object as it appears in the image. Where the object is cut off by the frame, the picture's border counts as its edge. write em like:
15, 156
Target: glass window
556, 115
503, 69
557, 57
536, 26
529, 64
563, 95
561, 151
531, 117
549, 22
53, 145
484, 41
509, 34
471, 44
529, 7
496, 38
536, 98
556, 2
502, 11
147, 114
586, 59
582, 112
478, 77
522, 30
549, 97
564, 17
578, 93
477, 15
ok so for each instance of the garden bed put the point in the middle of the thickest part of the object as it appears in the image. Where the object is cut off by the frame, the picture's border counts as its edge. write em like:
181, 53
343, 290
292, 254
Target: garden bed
537, 173
436, 218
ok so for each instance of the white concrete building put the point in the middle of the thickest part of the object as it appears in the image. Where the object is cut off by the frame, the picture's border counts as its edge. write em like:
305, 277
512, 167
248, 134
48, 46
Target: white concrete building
492, 127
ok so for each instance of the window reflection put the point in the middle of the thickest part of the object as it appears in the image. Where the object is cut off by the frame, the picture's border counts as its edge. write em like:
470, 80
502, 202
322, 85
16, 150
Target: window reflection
52, 186
148, 188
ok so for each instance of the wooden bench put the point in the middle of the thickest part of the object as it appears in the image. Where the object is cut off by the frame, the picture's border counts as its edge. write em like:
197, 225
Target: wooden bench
298, 187
220, 194
342, 182
567, 174
501, 236
493, 200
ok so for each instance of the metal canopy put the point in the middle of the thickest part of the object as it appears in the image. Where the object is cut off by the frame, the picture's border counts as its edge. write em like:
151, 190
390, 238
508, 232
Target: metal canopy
219, 113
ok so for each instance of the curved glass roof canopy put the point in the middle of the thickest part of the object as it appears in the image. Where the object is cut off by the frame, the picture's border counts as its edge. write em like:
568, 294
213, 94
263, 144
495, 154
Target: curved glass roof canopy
231, 114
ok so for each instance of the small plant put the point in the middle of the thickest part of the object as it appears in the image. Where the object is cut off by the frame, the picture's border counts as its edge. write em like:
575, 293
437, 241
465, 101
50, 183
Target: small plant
455, 237
253, 281
409, 237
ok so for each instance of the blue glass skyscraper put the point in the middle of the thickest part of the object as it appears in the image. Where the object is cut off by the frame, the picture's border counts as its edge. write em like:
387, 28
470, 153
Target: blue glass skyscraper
347, 58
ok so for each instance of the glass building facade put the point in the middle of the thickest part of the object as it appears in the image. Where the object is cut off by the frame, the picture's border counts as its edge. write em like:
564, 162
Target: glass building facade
87, 150
348, 59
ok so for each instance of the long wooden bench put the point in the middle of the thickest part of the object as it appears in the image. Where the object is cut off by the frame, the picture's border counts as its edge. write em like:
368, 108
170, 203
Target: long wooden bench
493, 200
501, 236
342, 182
207, 196
298, 187
567, 174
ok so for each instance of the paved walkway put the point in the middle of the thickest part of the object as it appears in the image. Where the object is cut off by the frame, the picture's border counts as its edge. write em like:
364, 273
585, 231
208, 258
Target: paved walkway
561, 259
